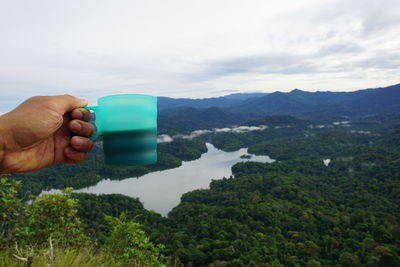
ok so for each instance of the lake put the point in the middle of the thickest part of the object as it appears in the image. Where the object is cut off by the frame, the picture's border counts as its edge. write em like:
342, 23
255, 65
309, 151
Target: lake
161, 191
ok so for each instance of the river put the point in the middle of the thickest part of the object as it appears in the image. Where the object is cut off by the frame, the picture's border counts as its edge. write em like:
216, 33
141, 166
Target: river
161, 191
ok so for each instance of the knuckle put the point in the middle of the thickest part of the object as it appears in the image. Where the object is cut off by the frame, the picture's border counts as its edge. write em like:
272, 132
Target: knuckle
70, 97
49, 102
38, 100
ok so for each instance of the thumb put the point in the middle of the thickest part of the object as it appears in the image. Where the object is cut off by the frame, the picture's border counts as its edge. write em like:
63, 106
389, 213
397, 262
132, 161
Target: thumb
66, 103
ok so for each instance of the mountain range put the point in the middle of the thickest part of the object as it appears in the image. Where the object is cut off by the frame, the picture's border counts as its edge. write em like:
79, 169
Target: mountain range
191, 114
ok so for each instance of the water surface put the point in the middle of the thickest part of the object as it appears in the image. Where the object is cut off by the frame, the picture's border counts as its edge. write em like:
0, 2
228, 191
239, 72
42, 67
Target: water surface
161, 191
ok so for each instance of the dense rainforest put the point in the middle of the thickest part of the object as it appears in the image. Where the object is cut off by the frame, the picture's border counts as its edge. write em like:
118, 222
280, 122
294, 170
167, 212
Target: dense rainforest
332, 198
298, 211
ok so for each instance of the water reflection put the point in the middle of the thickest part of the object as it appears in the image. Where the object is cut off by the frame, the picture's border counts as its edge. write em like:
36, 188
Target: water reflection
161, 191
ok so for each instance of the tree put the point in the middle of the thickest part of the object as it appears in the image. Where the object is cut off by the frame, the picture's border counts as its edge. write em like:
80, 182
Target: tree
53, 215
11, 210
128, 242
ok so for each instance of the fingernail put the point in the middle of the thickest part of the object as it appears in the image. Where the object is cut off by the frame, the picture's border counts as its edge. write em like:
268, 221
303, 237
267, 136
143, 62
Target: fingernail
80, 116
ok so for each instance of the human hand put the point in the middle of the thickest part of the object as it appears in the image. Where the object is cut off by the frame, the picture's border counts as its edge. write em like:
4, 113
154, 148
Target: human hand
43, 131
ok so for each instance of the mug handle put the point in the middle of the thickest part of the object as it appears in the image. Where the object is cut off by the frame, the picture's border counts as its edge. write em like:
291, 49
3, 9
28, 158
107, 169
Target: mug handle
93, 121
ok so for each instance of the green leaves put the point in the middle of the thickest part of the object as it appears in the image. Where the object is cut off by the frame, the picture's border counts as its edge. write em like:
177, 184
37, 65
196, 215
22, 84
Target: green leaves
11, 211
53, 215
128, 242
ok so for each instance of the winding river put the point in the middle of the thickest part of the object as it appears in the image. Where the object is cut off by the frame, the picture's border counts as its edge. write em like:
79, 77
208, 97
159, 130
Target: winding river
161, 191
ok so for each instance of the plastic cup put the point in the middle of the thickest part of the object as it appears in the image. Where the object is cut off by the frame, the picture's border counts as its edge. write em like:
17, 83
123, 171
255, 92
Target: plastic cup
128, 125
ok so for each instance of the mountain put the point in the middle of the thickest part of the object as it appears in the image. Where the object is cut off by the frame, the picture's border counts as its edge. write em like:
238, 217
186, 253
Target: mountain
165, 103
187, 119
322, 104
193, 114
244, 96
279, 120
376, 101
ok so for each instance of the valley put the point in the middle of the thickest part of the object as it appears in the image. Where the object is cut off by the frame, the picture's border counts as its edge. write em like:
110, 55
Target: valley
331, 198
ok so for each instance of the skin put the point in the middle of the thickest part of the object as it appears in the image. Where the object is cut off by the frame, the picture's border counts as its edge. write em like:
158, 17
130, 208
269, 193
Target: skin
43, 131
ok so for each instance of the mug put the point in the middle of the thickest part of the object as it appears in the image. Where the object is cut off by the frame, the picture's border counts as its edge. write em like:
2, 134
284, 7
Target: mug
128, 125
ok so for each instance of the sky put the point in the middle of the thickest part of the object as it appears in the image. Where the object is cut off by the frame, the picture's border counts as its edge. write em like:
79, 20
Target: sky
193, 48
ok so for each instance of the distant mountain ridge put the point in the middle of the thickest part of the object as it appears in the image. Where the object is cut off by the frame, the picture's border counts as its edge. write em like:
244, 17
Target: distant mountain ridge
307, 104
188, 119
203, 103
240, 108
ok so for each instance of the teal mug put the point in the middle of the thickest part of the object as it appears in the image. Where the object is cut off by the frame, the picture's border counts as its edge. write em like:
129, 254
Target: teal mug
128, 125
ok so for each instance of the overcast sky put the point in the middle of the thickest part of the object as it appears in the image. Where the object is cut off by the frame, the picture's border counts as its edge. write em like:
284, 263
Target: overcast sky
195, 48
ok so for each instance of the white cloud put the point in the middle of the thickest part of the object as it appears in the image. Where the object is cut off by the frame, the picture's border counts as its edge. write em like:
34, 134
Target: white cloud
223, 130
244, 129
233, 129
337, 123
193, 134
195, 48
164, 138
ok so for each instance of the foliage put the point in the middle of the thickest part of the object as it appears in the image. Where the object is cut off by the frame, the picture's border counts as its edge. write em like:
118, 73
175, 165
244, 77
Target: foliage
92, 209
48, 232
284, 216
278, 127
312, 145
128, 242
10, 210
83, 257
53, 215
298, 212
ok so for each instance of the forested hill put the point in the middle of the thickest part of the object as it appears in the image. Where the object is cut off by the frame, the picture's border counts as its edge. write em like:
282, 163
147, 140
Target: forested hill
189, 119
312, 105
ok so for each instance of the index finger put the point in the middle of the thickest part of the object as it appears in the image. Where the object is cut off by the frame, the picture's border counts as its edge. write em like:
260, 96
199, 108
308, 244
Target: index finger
80, 114
66, 103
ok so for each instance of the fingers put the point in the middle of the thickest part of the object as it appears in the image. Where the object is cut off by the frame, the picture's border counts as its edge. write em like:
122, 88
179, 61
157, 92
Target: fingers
80, 114
73, 156
79, 125
81, 128
76, 152
65, 103
81, 144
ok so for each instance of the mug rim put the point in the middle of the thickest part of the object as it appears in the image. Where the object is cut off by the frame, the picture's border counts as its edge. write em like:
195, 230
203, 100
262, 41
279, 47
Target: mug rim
104, 98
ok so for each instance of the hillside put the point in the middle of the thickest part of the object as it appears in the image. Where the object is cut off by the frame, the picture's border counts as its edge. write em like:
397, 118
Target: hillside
187, 119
